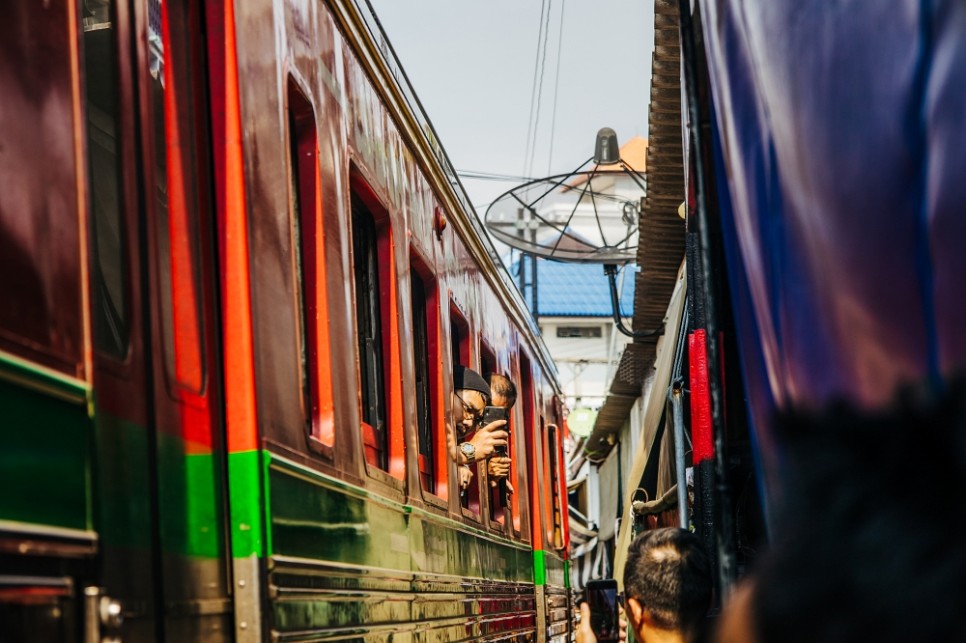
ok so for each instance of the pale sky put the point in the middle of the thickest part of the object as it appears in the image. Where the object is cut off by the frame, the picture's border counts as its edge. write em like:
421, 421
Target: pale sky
472, 66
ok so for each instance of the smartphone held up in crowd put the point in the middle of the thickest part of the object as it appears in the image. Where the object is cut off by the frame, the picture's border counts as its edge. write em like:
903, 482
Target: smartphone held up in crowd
602, 597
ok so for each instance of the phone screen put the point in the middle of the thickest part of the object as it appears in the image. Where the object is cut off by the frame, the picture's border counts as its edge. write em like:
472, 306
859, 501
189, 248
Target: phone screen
602, 598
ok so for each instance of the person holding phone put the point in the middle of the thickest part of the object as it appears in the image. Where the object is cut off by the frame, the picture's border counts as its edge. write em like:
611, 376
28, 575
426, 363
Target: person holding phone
601, 614
467, 445
667, 587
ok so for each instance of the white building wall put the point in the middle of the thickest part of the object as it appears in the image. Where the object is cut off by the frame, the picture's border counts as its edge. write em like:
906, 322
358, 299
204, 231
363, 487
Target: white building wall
586, 365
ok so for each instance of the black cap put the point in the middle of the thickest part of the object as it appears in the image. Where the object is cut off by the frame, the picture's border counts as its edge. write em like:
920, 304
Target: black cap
465, 379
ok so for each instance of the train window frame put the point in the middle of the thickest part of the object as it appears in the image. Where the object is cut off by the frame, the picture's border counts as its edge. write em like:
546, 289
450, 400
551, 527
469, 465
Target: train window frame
97, 118
177, 146
459, 340
518, 460
308, 230
555, 467
437, 493
46, 311
460, 335
367, 210
529, 520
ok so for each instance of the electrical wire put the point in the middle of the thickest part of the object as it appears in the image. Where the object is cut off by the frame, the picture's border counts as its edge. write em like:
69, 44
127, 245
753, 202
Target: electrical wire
543, 68
493, 176
533, 88
556, 85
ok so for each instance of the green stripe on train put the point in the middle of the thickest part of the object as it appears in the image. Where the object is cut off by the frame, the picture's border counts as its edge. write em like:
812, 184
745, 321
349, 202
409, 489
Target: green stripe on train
246, 488
317, 517
190, 500
44, 470
550, 569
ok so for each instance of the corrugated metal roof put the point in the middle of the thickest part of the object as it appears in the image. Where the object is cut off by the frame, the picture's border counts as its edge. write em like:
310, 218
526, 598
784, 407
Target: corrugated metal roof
661, 247
576, 289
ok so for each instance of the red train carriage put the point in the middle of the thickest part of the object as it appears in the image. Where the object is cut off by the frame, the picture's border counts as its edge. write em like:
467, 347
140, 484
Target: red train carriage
238, 269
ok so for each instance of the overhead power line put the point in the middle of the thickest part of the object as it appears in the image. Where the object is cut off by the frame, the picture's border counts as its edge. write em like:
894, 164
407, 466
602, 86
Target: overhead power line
493, 176
543, 68
556, 86
541, 48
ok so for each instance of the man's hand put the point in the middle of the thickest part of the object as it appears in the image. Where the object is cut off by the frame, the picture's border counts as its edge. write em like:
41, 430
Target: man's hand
497, 467
585, 634
466, 475
488, 438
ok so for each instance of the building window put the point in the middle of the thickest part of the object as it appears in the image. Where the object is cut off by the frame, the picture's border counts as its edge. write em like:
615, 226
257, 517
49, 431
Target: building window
589, 332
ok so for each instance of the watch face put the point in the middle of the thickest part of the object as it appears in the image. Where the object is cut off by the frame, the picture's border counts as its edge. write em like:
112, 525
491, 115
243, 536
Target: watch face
468, 449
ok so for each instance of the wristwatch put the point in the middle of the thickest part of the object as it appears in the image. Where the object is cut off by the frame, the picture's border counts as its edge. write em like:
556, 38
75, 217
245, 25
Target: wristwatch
468, 451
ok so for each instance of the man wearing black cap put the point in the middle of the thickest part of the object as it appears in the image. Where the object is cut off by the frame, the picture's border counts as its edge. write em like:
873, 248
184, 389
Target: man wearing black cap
471, 393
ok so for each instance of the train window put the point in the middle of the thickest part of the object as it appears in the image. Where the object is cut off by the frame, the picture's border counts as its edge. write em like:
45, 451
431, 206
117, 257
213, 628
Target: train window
318, 407
528, 460
497, 498
426, 360
369, 316
178, 201
109, 278
554, 473
41, 314
487, 359
377, 332
459, 336
460, 346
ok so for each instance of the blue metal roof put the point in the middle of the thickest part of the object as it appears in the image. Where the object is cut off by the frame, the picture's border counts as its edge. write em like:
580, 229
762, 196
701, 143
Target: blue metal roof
575, 289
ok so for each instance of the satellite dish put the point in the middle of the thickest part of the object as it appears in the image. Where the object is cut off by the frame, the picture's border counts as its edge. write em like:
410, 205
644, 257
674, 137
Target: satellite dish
590, 215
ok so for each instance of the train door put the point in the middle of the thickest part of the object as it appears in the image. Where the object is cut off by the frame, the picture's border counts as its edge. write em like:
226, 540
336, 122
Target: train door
159, 455
190, 440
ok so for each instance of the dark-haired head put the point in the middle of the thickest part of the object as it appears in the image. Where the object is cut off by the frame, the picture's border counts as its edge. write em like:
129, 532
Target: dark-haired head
668, 573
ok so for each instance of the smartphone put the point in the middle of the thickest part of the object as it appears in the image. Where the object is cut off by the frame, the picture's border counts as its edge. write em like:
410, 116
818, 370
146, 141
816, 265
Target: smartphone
492, 414
602, 597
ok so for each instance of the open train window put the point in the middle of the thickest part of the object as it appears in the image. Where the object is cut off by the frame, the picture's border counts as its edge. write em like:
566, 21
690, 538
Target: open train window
307, 227
110, 263
460, 346
497, 499
179, 201
427, 362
